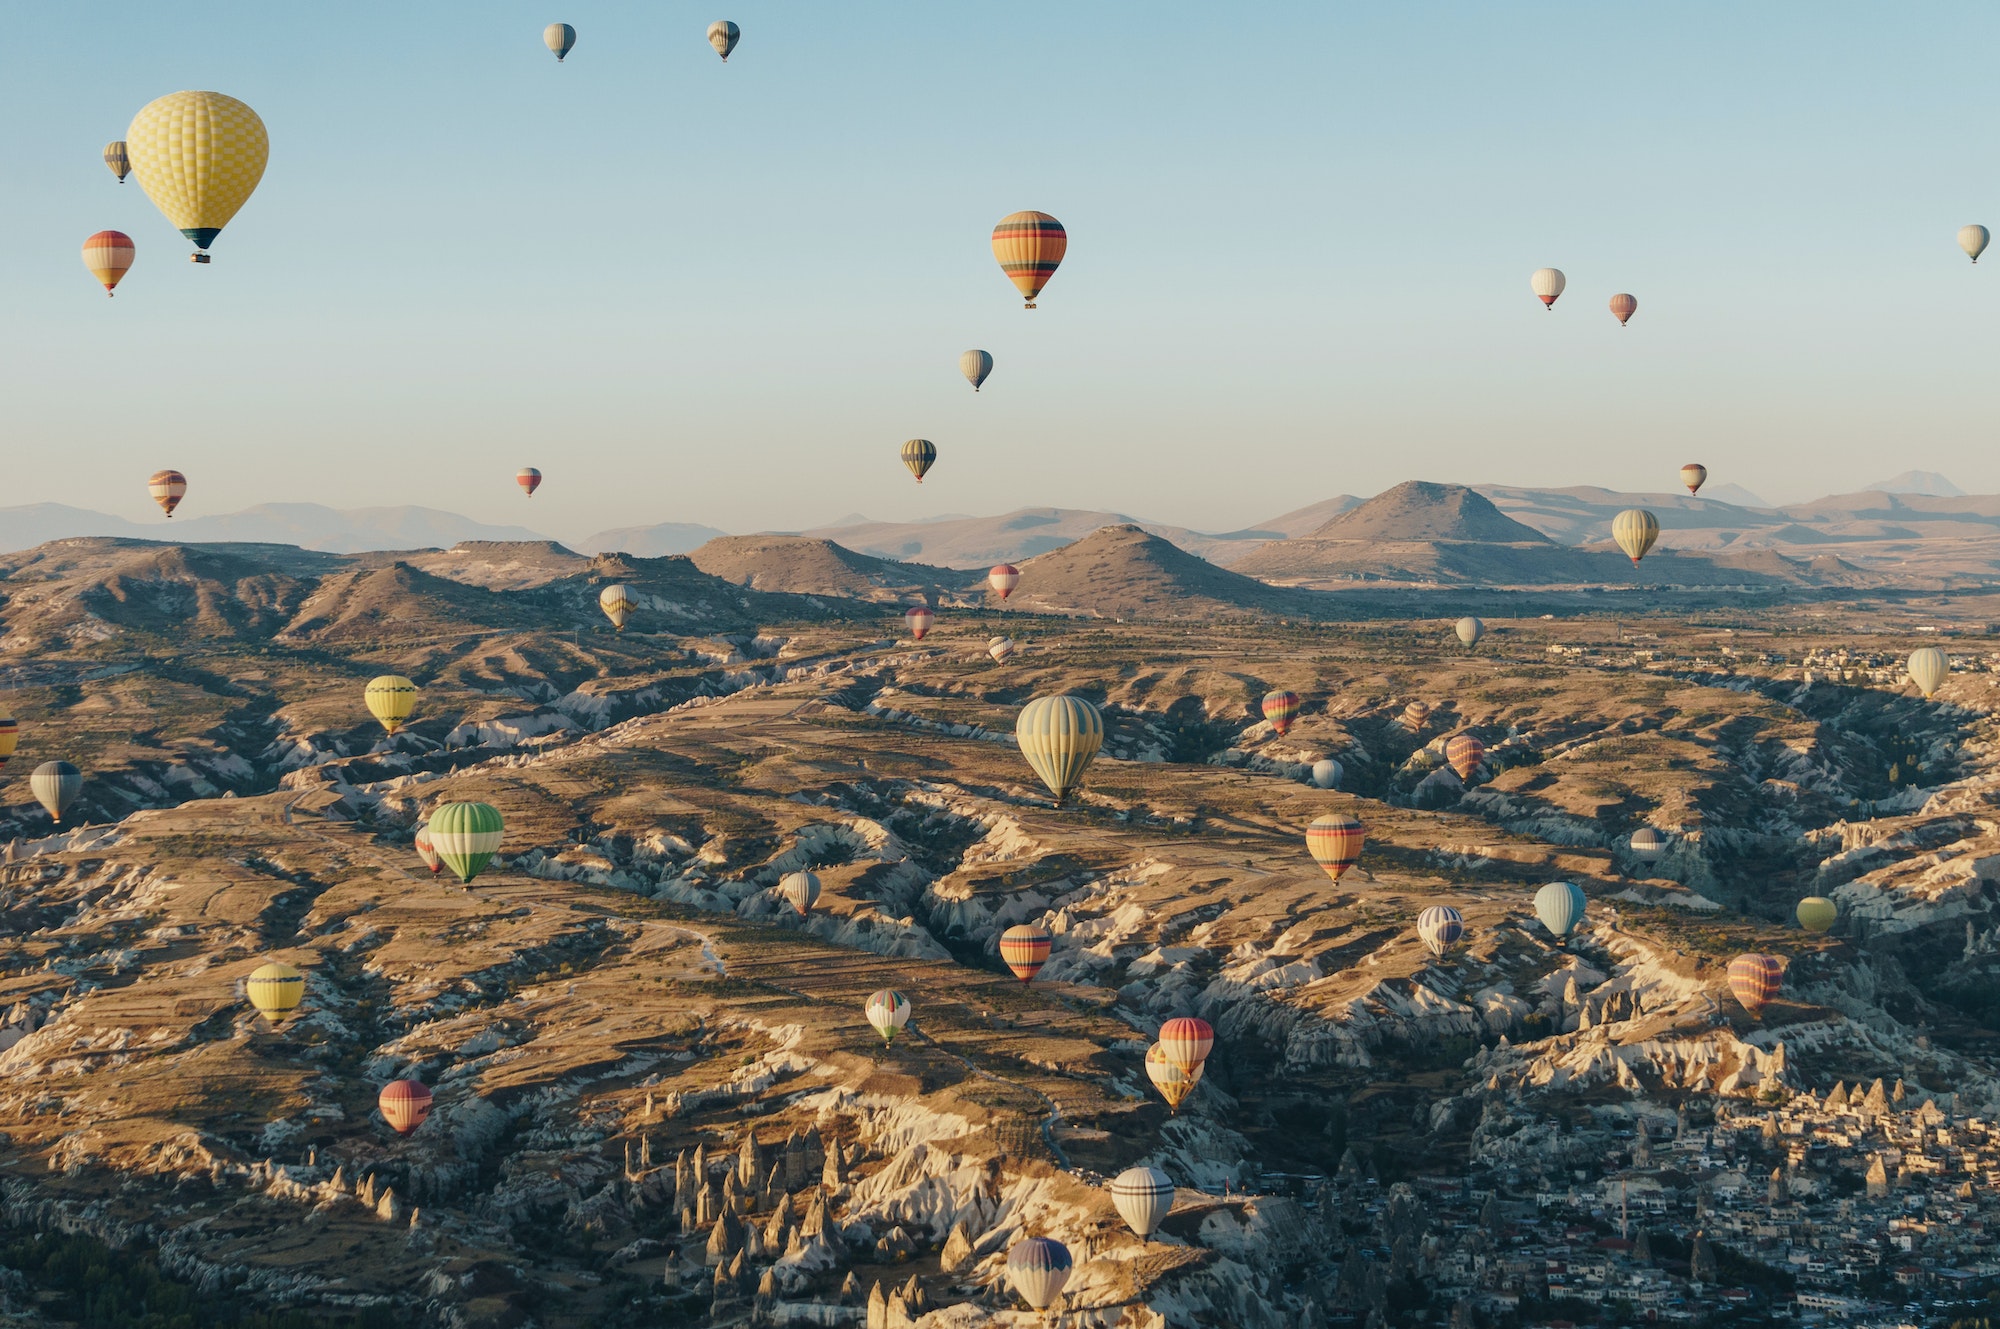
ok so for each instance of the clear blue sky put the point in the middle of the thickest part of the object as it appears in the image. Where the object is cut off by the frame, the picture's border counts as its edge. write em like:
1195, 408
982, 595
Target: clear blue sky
1300, 240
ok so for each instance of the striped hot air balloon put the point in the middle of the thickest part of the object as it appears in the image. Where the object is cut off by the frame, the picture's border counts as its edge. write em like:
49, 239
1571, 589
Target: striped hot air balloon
1470, 630
10, 737
1560, 905
1024, 948
1439, 928
118, 159
1623, 307
1144, 1196
167, 488
198, 156
1973, 240
920, 619
1326, 773
1928, 668
1335, 843
1755, 979
1694, 475
1001, 648
1029, 246
1464, 753
1280, 708
275, 989
1416, 715
109, 255
1817, 913
1634, 531
1648, 844
723, 36
1060, 737
427, 851
1186, 1041
560, 38
1173, 1082
391, 698
617, 602
1004, 577
888, 1011
976, 366
1547, 284
919, 454
405, 1104
801, 891
466, 836
1038, 1268
529, 479
55, 785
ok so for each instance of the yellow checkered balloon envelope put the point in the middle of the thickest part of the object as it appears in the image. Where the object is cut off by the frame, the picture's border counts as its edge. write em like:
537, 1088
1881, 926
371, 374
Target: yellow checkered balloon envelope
198, 156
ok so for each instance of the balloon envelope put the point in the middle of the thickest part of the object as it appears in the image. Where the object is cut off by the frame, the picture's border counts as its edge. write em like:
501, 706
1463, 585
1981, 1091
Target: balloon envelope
198, 156
1464, 752
1972, 239
1024, 948
1144, 1197
1817, 913
1694, 475
1326, 773
1038, 1268
1634, 531
1335, 843
108, 255
801, 891
1648, 844
1439, 926
55, 785
1755, 979
723, 36
1560, 905
167, 487
1186, 1041
275, 989
1417, 714
920, 618
117, 159
1029, 246
529, 479
390, 699
1004, 577
465, 837
405, 1104
559, 38
1000, 648
1470, 630
1622, 308
1547, 284
919, 454
1928, 666
1174, 1082
975, 365
617, 602
10, 736
1280, 708
1060, 737
888, 1011
427, 851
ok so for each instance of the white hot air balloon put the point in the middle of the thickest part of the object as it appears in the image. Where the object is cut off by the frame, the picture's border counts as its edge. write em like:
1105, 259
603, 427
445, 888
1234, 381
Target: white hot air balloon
1928, 667
1973, 239
1326, 773
1547, 284
1470, 630
1144, 1196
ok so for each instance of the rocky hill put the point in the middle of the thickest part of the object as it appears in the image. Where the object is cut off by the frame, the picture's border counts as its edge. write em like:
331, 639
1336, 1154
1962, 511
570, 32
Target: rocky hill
1418, 510
1128, 572
804, 565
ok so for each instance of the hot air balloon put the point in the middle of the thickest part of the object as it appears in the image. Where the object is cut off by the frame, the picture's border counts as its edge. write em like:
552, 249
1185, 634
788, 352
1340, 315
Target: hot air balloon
1622, 308
55, 785
1004, 577
1417, 714
1439, 927
1464, 753
1470, 630
1038, 1268
919, 618
1060, 737
10, 737
723, 36
1972, 239
167, 488
1547, 283
559, 38
1029, 246
1928, 667
801, 890
1755, 979
1000, 648
1024, 948
1634, 530
1144, 1197
275, 989
1560, 906
919, 454
1174, 1083
1280, 708
617, 602
108, 255
975, 365
404, 1104
198, 156
529, 479
1326, 773
888, 1011
1335, 843
115, 157
427, 851
390, 699
1694, 475
1186, 1041
1817, 913
466, 836
1648, 844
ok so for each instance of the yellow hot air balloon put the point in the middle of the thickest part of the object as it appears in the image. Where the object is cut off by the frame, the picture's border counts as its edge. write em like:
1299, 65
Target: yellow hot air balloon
1029, 246
1634, 530
115, 158
390, 699
617, 602
275, 989
919, 454
1060, 737
1817, 913
198, 156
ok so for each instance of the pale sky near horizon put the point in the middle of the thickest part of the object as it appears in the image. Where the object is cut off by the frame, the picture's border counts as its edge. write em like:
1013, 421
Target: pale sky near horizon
1300, 242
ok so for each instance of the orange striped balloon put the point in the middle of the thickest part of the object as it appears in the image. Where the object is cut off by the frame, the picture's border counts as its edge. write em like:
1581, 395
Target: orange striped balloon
1623, 307
167, 488
1755, 979
1335, 843
108, 255
1280, 708
1029, 246
1004, 578
1025, 949
1693, 475
405, 1104
920, 618
1464, 752
1186, 1041
529, 479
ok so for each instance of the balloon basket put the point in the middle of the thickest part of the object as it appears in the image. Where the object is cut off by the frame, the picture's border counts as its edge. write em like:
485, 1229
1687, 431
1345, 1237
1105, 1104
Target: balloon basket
198, 258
